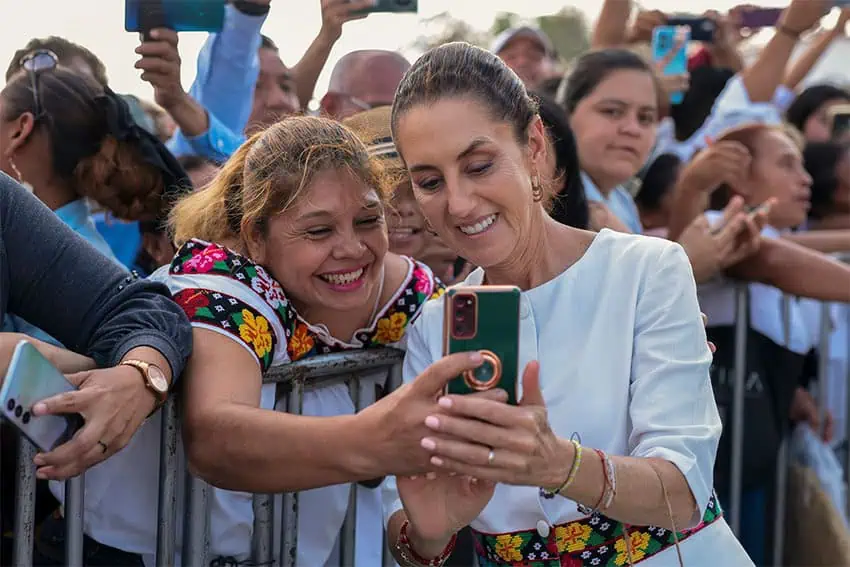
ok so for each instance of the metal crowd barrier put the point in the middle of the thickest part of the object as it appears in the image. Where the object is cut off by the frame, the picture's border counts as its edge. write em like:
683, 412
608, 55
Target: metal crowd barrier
292, 381
275, 534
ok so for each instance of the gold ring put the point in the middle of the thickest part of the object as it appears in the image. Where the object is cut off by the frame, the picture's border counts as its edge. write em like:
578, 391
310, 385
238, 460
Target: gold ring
103, 446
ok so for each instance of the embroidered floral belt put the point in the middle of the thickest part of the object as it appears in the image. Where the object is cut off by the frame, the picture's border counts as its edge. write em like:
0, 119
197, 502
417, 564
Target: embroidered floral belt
595, 541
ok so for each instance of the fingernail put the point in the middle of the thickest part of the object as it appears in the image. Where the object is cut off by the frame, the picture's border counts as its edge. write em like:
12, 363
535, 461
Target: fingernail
428, 443
431, 476
155, 34
476, 357
473, 480
38, 460
40, 475
437, 461
39, 409
414, 477
432, 422
445, 402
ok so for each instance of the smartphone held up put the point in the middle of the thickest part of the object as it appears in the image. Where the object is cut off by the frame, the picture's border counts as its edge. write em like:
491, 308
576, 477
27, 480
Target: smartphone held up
30, 379
484, 319
142, 16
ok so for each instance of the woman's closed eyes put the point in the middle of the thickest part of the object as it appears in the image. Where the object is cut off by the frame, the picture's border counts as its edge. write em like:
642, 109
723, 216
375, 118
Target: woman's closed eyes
318, 232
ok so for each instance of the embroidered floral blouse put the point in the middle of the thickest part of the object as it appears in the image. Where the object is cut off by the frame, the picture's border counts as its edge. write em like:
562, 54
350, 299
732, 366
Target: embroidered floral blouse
228, 293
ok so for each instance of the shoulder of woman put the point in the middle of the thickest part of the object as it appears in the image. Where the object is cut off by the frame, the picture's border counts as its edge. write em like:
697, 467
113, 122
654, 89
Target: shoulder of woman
222, 290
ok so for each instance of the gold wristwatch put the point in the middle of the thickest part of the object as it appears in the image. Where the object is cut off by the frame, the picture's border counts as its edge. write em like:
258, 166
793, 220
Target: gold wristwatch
154, 378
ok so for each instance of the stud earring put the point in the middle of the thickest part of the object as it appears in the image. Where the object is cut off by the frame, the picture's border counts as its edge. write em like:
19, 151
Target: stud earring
17, 171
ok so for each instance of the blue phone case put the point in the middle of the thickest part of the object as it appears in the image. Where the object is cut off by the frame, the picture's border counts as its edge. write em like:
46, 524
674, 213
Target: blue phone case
177, 15
393, 7
30, 379
664, 40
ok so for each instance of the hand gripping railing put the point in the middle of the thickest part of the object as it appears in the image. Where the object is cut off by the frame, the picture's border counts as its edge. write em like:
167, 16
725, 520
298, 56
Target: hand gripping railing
293, 380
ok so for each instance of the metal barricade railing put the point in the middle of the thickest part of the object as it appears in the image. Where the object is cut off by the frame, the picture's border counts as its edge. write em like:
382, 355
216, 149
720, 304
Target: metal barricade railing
276, 516
293, 380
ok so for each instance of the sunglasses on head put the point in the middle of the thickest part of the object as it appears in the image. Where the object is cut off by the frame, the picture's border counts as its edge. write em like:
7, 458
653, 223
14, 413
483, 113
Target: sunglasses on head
35, 63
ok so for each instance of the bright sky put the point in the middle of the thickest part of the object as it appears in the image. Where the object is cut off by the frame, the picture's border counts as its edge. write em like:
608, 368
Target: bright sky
99, 25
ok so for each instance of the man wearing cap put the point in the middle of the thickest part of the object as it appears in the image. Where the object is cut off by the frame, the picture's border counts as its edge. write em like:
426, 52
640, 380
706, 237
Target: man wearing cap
528, 51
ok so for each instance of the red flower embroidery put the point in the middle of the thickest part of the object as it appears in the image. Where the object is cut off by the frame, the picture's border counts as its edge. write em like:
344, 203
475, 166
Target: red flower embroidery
423, 282
202, 261
190, 300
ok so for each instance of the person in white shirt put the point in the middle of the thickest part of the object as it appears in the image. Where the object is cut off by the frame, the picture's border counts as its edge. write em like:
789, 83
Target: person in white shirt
609, 454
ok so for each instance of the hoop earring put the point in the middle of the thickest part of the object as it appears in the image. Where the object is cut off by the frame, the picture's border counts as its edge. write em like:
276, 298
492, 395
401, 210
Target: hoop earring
20, 177
536, 189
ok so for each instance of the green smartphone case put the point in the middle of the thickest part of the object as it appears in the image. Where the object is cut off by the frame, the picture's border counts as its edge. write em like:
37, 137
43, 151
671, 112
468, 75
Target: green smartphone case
496, 332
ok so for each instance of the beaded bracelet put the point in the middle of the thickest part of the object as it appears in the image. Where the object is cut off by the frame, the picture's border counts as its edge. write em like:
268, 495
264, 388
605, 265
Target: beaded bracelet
409, 557
571, 476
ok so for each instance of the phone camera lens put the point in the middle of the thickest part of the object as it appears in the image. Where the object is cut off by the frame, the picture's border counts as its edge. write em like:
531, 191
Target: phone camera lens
18, 411
26, 417
11, 404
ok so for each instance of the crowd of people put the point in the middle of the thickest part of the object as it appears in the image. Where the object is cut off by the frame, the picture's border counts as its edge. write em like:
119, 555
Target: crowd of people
189, 244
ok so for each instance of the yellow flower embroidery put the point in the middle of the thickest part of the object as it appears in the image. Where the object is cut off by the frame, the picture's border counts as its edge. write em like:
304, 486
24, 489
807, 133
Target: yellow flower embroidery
300, 343
639, 543
438, 292
390, 330
255, 332
508, 547
572, 537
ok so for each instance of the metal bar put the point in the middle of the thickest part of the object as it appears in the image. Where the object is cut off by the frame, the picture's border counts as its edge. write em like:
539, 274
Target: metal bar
24, 534
742, 306
317, 371
823, 363
166, 541
347, 533
394, 381
289, 537
262, 542
74, 509
196, 541
782, 460
782, 464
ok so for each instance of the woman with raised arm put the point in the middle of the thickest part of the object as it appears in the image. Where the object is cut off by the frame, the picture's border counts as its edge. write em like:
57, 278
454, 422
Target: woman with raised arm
609, 455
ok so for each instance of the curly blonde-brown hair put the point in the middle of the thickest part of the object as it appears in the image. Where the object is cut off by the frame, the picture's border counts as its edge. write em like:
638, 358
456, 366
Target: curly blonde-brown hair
268, 173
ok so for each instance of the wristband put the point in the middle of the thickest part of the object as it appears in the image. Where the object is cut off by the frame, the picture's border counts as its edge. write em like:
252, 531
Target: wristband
410, 558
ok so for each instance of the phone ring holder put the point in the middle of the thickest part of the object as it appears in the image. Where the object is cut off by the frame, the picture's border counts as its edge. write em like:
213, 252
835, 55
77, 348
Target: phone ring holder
487, 375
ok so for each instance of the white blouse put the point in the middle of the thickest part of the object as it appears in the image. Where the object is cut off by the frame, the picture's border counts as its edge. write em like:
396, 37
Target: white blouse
624, 364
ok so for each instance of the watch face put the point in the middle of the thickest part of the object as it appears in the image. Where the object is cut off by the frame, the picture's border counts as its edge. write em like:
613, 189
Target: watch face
157, 379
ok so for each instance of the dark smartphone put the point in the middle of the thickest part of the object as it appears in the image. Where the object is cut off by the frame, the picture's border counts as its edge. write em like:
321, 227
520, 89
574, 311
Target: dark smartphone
840, 119
486, 319
702, 29
393, 7
760, 18
179, 15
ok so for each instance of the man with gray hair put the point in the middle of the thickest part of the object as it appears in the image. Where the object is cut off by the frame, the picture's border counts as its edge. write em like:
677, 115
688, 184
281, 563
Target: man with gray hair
363, 80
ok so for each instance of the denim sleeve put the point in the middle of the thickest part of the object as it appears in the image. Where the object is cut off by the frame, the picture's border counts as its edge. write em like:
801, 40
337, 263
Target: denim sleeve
54, 279
228, 67
218, 143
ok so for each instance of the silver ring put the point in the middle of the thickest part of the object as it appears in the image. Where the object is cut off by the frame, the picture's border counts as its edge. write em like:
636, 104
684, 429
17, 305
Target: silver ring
491, 457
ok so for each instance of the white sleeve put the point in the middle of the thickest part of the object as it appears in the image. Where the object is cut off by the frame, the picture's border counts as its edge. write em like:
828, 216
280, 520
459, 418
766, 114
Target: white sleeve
672, 409
417, 358
734, 108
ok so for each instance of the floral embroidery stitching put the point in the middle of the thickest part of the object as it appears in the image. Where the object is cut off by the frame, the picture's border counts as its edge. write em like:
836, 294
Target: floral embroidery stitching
595, 541
255, 332
391, 329
232, 315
